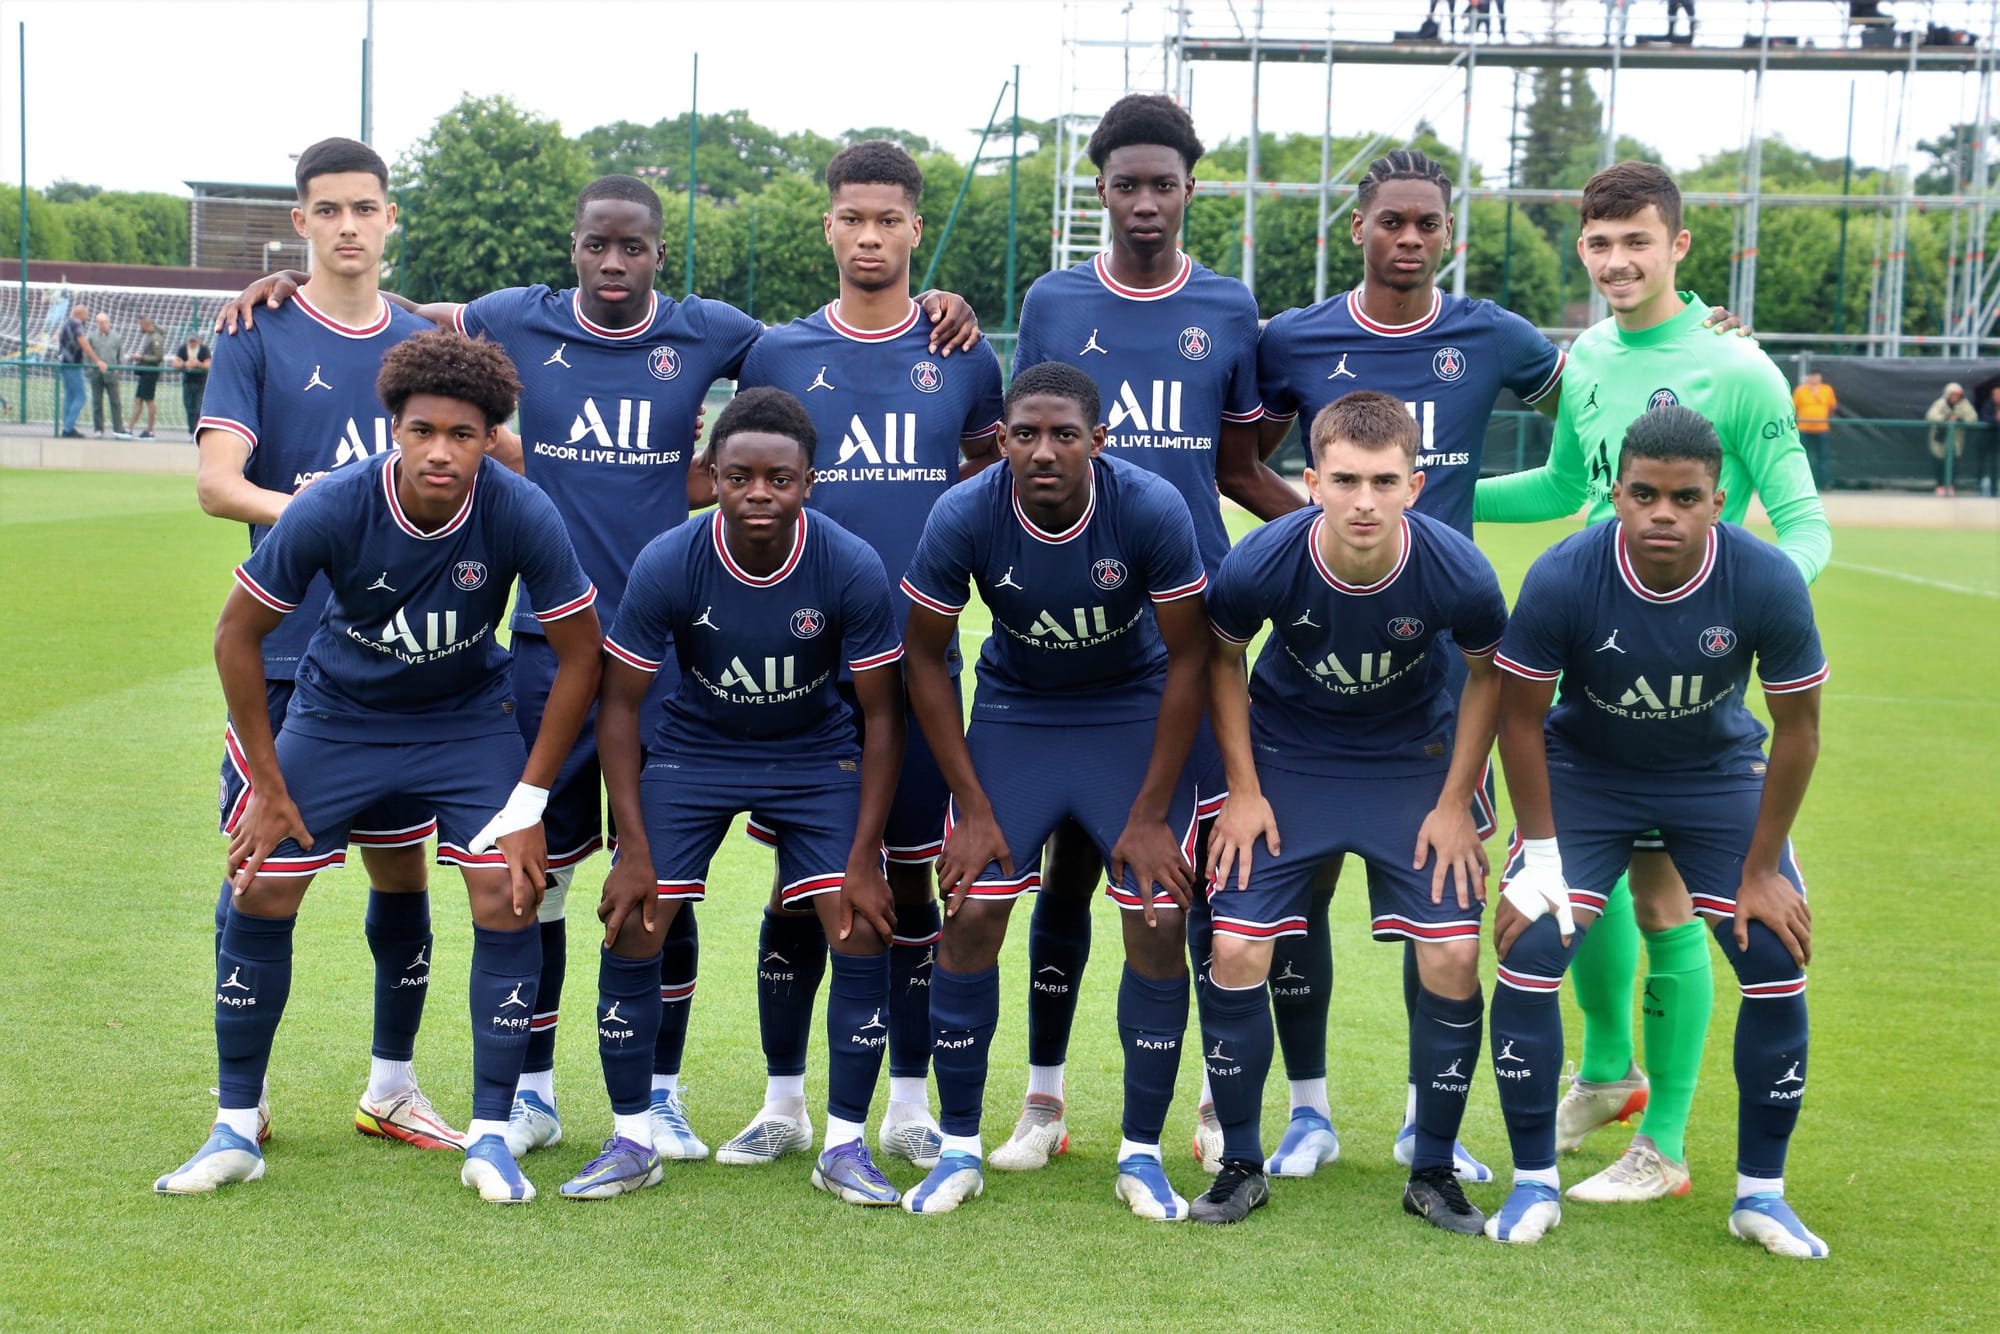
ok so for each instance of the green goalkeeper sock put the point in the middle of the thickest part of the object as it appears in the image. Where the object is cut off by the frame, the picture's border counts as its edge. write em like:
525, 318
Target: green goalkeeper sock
1680, 994
1606, 962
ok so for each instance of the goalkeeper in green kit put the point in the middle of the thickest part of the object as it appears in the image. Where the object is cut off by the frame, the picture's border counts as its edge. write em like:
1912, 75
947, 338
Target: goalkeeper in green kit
1652, 352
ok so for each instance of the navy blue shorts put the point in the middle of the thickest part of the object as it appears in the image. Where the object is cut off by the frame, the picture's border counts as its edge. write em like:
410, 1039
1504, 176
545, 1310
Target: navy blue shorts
1703, 824
913, 835
393, 823
577, 816
1320, 820
1036, 777
812, 818
465, 782
1211, 786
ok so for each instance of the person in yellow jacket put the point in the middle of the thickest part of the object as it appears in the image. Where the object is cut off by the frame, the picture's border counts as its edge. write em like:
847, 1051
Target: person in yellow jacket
1813, 402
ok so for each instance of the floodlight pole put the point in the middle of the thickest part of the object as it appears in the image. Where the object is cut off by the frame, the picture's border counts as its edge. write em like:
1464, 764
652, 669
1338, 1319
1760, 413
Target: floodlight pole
368, 79
21, 397
1014, 186
694, 141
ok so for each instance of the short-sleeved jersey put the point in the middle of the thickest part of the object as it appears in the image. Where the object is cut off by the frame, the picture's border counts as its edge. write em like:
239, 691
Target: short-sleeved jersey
1614, 375
1654, 683
1354, 677
405, 649
1172, 364
760, 655
1448, 368
1074, 639
299, 388
890, 417
607, 415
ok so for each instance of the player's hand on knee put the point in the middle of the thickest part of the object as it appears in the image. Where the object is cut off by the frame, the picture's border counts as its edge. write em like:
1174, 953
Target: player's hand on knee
954, 327
975, 842
1148, 849
1233, 836
1450, 844
267, 822
1769, 898
1537, 888
628, 888
864, 893
524, 807
527, 854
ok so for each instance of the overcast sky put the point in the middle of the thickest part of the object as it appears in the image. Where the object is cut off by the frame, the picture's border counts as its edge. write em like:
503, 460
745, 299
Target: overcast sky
145, 94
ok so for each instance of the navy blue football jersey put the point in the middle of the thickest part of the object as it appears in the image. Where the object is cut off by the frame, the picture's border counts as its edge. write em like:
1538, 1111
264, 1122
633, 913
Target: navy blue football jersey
1356, 677
405, 649
1448, 368
1654, 682
760, 655
890, 417
1172, 363
607, 415
299, 388
1074, 639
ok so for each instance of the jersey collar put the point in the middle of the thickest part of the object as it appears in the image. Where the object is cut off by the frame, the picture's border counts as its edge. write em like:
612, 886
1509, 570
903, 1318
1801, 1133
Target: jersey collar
1631, 577
1101, 263
742, 575
1360, 317
403, 520
369, 330
634, 331
1068, 534
845, 330
1358, 590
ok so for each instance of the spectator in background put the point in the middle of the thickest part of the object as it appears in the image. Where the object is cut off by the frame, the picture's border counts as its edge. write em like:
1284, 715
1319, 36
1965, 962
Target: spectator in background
1813, 403
192, 363
69, 359
1986, 444
151, 356
1949, 417
1676, 8
1450, 14
107, 353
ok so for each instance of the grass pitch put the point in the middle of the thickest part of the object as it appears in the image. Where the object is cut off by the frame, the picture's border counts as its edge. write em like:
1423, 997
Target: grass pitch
109, 720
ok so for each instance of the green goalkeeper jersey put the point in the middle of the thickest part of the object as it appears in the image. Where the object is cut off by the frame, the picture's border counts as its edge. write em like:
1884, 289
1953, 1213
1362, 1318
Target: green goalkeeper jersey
1613, 375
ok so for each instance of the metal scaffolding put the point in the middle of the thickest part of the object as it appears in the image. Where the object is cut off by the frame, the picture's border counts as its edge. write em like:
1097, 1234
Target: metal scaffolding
1588, 34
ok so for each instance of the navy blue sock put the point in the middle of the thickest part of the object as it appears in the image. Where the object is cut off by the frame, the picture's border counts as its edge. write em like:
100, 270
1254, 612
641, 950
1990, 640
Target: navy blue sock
1771, 1042
911, 954
965, 1007
857, 1032
1528, 1040
791, 960
221, 915
628, 1018
1152, 1020
1236, 1042
1444, 1047
506, 966
680, 960
1412, 985
548, 1004
398, 927
1302, 992
1058, 947
253, 978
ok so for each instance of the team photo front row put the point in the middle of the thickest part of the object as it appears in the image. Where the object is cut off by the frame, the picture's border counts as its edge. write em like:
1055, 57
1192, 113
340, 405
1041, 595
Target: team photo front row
761, 660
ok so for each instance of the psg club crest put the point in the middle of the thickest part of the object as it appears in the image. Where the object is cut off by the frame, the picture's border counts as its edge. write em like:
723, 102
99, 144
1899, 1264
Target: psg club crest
1662, 398
1194, 342
1406, 627
1108, 573
1449, 363
468, 575
1717, 641
663, 362
807, 622
926, 377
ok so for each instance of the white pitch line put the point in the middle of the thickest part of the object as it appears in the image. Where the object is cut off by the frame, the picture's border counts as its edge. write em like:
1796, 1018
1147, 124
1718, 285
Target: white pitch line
1917, 579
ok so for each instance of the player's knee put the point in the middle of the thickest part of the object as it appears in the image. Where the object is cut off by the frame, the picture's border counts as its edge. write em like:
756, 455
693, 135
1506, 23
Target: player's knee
1767, 959
1449, 968
1160, 951
397, 870
555, 897
492, 896
1238, 962
1538, 953
971, 939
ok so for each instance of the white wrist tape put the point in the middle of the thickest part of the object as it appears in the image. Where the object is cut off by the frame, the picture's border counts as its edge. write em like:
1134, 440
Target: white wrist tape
523, 808
1538, 887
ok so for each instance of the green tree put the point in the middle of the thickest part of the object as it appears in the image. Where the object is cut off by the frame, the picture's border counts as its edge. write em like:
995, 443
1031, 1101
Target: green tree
66, 191
100, 233
1954, 159
487, 200
48, 232
736, 156
158, 222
